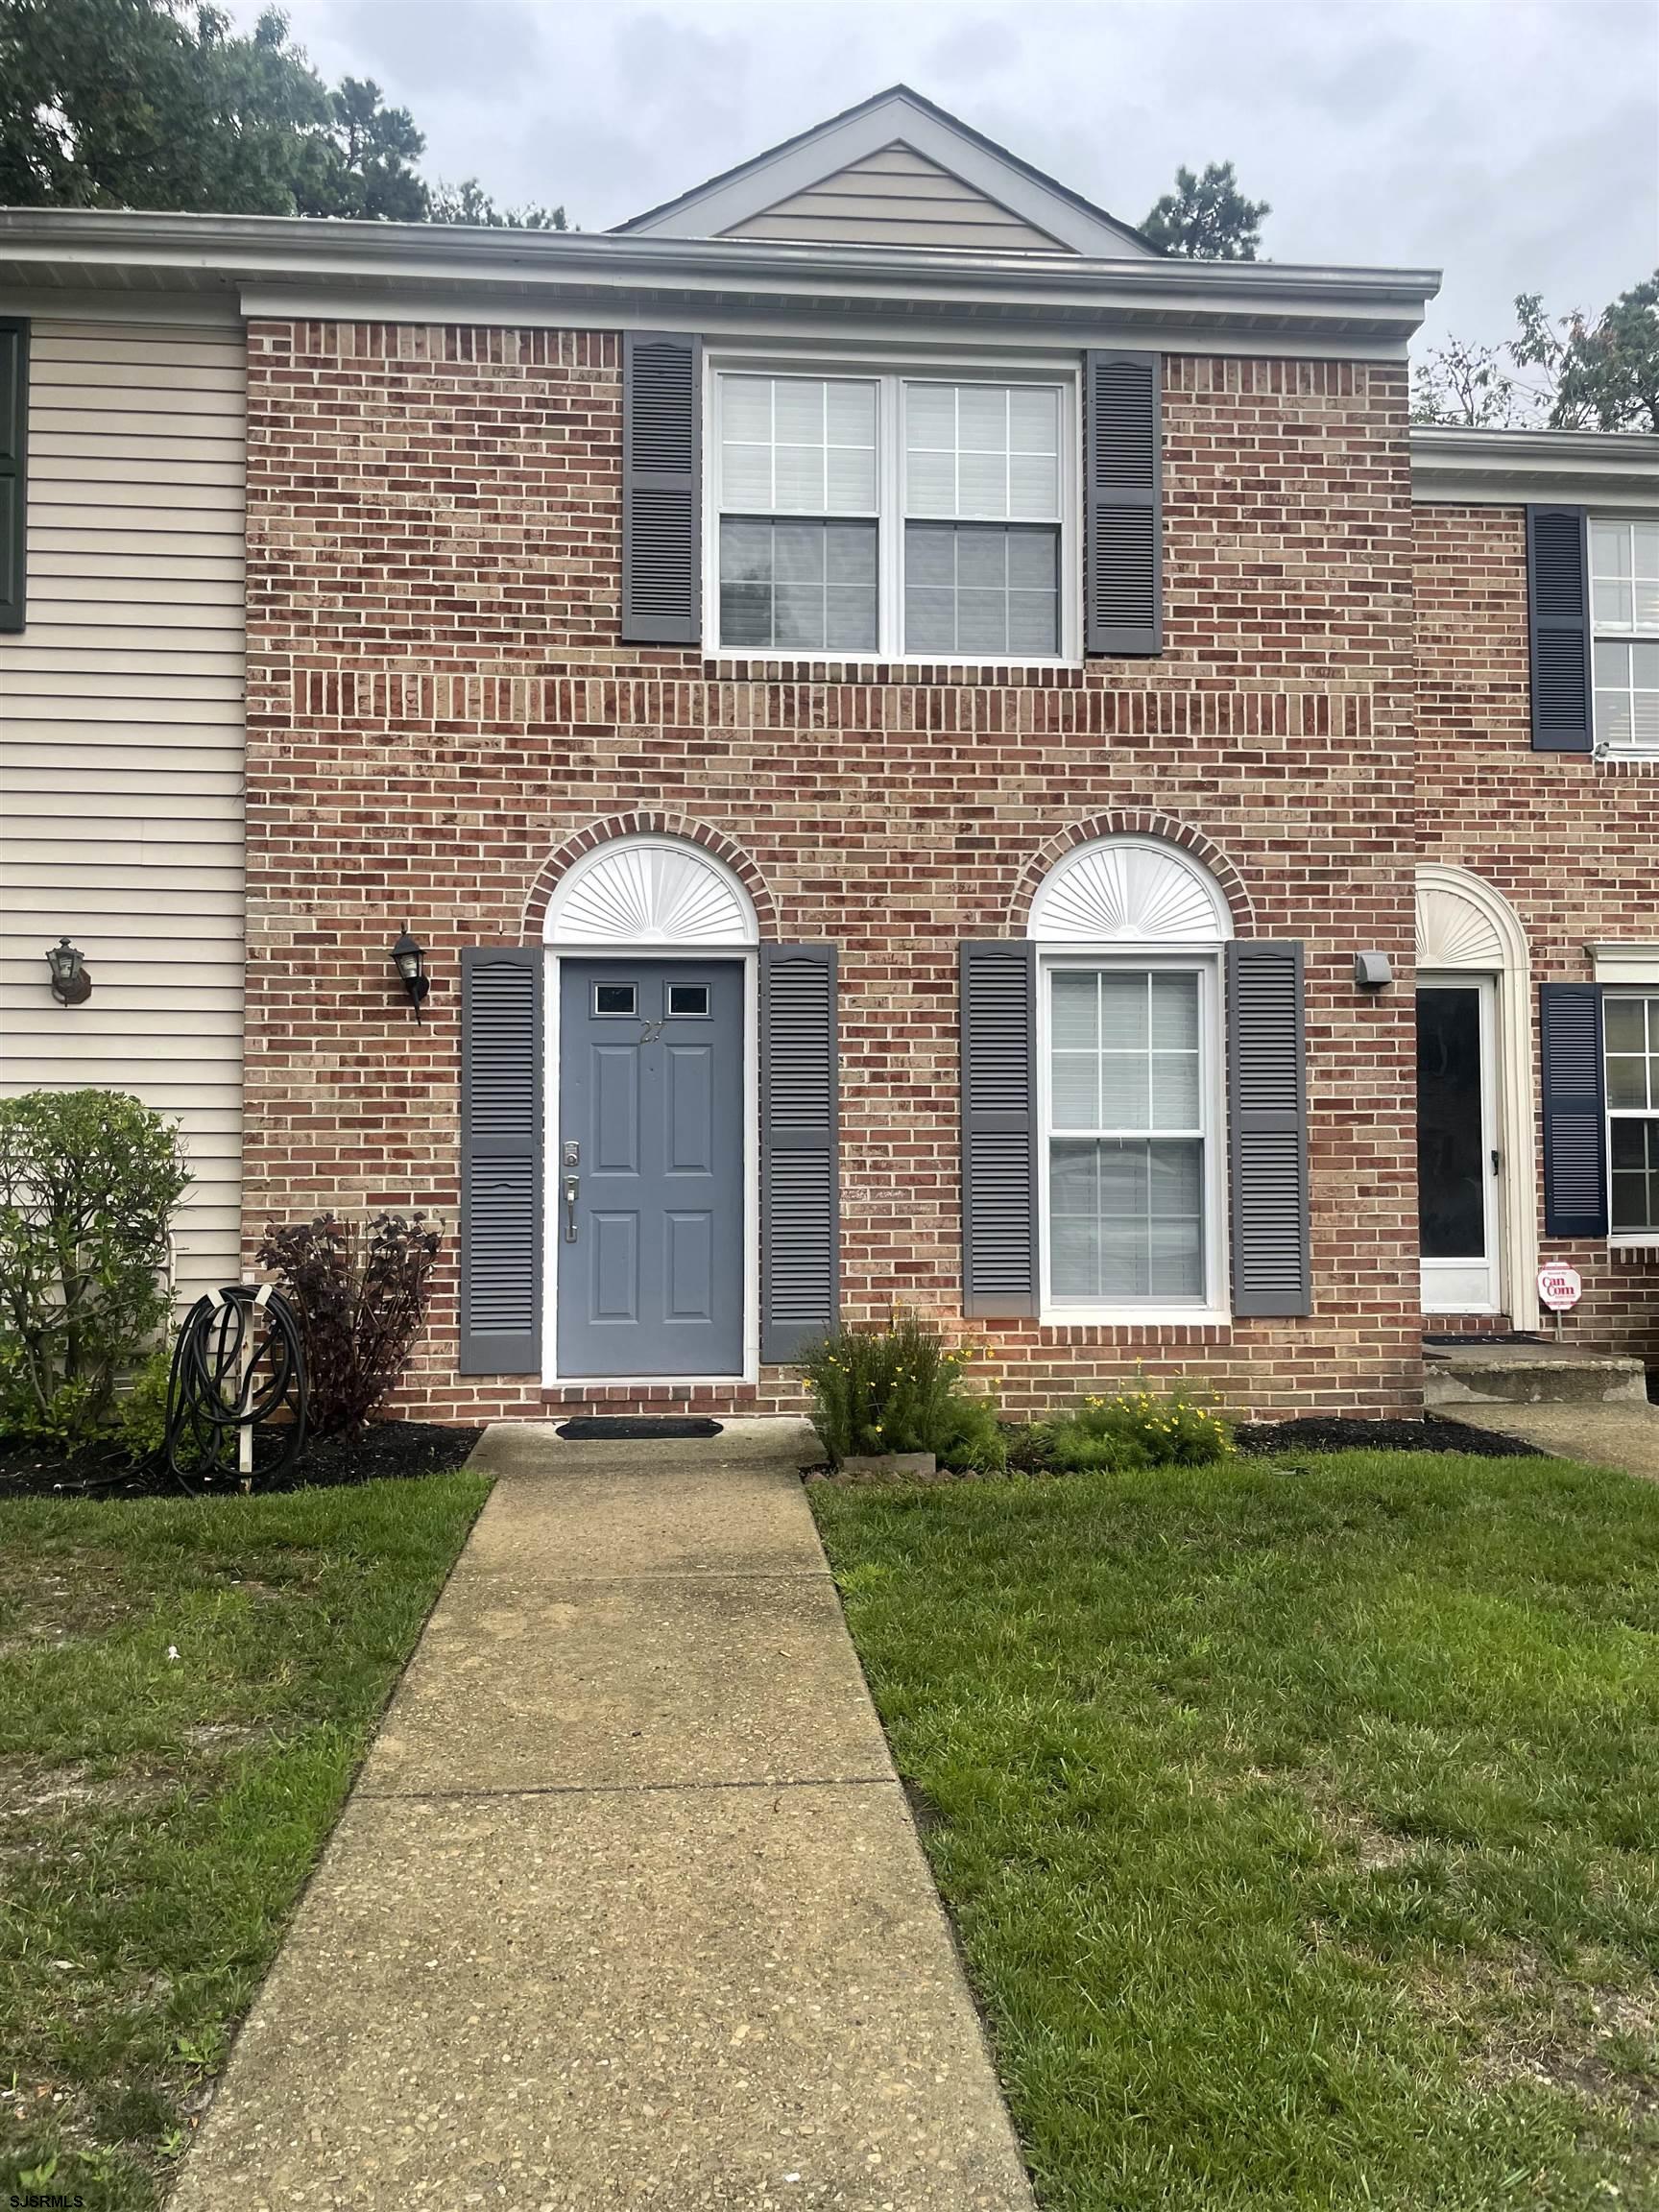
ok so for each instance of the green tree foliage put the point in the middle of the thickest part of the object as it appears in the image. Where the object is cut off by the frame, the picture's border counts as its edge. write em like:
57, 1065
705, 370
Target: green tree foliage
88, 1181
468, 203
160, 104
1566, 372
1206, 218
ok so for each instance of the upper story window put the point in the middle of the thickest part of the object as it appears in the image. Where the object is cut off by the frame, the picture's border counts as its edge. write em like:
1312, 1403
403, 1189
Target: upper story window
895, 517
1625, 617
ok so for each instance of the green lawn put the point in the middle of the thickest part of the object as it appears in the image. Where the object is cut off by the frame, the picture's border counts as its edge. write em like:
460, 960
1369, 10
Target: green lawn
185, 1690
1299, 1824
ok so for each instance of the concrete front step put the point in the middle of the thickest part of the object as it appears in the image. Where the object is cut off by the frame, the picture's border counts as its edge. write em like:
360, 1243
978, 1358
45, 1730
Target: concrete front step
1480, 1373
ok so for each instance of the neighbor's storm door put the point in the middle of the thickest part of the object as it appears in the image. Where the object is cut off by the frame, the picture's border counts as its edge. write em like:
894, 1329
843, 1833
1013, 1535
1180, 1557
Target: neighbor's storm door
1458, 1164
645, 1184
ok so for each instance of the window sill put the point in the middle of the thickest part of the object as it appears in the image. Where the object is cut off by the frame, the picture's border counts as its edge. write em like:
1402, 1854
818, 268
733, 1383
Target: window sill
876, 667
1134, 1317
1634, 1240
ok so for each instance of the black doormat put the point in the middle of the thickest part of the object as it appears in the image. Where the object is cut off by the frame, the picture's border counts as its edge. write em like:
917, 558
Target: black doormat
600, 1429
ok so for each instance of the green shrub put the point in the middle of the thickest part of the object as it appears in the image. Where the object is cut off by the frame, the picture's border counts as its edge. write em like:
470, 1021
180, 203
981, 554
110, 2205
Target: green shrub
141, 1416
88, 1181
1137, 1428
900, 1389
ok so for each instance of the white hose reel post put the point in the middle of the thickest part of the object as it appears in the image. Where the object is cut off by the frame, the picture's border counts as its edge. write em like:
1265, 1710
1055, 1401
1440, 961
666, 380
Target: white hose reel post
244, 1360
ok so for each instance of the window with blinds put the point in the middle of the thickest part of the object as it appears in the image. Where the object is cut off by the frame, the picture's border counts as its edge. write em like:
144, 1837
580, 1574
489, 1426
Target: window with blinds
898, 517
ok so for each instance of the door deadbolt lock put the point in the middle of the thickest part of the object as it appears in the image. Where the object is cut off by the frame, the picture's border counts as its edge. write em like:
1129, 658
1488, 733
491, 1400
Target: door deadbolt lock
572, 1155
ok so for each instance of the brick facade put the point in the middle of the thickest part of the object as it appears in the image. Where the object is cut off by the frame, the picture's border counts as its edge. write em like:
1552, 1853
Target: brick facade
440, 712
1571, 842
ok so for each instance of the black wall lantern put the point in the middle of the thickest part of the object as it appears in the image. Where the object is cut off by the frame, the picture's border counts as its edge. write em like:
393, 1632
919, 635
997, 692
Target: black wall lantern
410, 961
71, 984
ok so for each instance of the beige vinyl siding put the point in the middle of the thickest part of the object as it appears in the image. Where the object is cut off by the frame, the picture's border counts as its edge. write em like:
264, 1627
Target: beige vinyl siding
897, 197
121, 742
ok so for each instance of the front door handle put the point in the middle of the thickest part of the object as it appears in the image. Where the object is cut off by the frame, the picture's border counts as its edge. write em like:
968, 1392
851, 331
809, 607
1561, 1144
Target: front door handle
572, 1184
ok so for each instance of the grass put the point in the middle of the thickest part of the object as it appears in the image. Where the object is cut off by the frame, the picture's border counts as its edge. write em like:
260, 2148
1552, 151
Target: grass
1298, 1824
185, 1690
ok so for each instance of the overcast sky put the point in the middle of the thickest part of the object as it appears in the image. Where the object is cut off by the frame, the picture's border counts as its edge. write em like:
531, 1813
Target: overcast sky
1513, 143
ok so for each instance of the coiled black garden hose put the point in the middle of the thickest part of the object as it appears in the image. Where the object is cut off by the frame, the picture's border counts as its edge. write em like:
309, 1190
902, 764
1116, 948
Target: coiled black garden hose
238, 1365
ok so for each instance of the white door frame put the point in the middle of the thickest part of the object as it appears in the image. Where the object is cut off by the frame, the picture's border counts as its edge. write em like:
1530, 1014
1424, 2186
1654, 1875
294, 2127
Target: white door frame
1473, 1285
1466, 929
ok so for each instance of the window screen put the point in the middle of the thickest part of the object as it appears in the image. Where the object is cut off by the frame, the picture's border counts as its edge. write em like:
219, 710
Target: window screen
798, 463
982, 518
1127, 1136
1630, 1029
1624, 616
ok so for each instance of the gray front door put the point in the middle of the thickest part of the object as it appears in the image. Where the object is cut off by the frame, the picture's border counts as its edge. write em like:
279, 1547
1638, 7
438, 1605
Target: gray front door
648, 1167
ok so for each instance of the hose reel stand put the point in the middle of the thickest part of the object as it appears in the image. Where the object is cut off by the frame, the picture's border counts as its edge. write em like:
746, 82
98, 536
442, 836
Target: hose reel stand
237, 1392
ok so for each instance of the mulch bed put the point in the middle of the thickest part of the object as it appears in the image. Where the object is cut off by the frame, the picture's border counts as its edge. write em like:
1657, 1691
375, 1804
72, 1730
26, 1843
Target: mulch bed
1262, 1438
385, 1449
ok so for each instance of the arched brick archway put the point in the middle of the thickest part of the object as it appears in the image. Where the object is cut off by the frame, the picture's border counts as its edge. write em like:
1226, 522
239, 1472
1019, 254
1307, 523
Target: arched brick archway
647, 825
1131, 822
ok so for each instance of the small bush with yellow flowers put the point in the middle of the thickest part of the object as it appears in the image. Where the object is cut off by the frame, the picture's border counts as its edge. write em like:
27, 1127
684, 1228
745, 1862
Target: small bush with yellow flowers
901, 1388
1138, 1428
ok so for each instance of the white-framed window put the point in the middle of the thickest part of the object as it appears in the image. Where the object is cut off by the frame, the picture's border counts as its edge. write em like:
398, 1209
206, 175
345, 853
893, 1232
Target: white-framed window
1132, 1122
1624, 621
897, 514
1630, 1034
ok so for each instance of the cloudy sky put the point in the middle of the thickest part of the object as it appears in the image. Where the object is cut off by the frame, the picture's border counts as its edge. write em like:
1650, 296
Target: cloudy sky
1513, 143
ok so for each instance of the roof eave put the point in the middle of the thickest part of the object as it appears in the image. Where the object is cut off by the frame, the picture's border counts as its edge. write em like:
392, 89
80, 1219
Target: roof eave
1455, 466
54, 248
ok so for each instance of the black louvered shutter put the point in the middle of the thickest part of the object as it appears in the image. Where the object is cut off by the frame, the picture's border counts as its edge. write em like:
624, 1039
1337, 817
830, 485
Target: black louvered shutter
14, 460
799, 1172
501, 1152
1000, 1272
1267, 1129
1558, 619
1574, 1110
661, 472
1123, 521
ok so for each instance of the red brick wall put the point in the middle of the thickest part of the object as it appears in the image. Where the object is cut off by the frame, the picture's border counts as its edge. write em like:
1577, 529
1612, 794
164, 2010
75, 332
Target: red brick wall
437, 701
1571, 842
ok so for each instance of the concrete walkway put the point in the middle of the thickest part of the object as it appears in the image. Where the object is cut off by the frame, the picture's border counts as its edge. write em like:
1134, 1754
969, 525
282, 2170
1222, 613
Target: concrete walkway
627, 1909
1619, 1433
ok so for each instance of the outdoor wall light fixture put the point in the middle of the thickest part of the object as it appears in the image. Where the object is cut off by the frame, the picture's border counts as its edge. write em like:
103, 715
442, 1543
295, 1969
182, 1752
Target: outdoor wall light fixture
410, 961
71, 984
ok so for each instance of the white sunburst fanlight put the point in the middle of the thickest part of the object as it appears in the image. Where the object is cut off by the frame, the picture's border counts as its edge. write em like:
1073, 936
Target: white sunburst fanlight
1132, 890
650, 891
1454, 933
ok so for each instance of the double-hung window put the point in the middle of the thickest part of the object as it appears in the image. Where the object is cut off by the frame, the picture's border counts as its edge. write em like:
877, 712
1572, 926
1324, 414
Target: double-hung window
1630, 1026
1625, 617
894, 517
1133, 1178
799, 510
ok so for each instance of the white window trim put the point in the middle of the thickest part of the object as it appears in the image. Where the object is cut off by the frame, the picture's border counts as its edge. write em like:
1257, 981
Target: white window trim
1205, 961
1625, 1239
1629, 748
891, 372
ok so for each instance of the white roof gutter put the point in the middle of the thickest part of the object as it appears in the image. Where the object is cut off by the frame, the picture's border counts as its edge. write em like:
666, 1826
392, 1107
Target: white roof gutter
425, 268
1609, 469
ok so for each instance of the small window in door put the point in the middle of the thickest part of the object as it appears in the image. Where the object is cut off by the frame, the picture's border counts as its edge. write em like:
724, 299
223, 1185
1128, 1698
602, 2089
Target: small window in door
615, 999
687, 997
